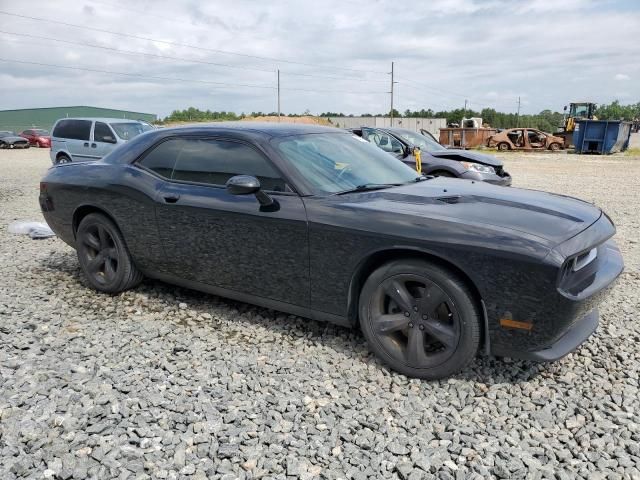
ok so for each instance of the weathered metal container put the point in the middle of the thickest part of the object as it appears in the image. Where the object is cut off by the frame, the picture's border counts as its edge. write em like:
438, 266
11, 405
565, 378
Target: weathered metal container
458, 137
601, 136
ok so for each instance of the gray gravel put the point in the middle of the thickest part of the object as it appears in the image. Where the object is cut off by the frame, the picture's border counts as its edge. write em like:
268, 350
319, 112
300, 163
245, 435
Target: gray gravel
162, 382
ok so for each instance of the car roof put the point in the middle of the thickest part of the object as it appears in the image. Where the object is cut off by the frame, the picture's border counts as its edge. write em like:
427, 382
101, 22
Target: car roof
103, 119
272, 129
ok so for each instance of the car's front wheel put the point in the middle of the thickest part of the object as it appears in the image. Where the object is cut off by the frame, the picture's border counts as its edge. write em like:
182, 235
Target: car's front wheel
420, 318
103, 255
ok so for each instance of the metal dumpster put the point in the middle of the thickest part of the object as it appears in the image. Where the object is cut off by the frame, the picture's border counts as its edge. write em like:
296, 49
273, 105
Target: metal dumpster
601, 136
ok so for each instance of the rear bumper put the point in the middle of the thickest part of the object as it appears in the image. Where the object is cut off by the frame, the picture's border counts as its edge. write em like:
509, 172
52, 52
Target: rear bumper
572, 339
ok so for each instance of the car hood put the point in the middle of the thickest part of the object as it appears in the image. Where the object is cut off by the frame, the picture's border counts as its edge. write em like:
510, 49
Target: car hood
554, 218
468, 156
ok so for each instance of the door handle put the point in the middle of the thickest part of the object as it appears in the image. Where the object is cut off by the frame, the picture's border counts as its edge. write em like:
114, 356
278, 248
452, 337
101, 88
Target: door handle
93, 145
171, 198
86, 144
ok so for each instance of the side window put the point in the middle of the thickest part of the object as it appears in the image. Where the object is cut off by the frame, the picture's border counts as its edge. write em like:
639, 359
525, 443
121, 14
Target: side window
163, 157
216, 161
59, 128
102, 133
73, 129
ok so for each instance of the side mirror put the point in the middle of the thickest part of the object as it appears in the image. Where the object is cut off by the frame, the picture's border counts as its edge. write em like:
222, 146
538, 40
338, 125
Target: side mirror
243, 185
246, 185
565, 108
109, 139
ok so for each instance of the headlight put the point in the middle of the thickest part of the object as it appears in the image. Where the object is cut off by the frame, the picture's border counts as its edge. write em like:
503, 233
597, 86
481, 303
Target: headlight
477, 167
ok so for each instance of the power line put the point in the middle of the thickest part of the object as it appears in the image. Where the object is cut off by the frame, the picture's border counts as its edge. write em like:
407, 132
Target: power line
470, 100
330, 77
133, 52
183, 59
138, 75
185, 45
413, 84
155, 77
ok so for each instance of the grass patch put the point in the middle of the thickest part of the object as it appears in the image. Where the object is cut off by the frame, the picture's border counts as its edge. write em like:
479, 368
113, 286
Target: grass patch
633, 152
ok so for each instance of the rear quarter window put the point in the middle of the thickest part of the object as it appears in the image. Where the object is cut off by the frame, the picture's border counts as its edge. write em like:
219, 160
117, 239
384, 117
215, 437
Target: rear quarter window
73, 129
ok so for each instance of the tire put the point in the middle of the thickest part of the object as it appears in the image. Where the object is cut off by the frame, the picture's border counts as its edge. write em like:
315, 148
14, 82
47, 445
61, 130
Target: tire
554, 147
62, 158
420, 319
103, 255
503, 146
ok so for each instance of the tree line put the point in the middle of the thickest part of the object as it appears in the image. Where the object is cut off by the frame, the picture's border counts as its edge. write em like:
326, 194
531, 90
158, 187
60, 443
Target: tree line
546, 120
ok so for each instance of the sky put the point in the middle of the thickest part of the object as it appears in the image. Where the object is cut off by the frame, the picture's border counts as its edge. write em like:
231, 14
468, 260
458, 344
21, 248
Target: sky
156, 56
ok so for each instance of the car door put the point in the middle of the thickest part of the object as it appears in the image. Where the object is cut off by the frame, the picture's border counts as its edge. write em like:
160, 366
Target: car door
213, 237
76, 136
104, 139
384, 141
537, 139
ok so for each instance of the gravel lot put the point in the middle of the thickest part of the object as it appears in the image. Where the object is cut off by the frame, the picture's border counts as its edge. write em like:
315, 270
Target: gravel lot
162, 382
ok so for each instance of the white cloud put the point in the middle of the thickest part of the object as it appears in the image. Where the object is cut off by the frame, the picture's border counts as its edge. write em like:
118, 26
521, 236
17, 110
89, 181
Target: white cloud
445, 51
622, 76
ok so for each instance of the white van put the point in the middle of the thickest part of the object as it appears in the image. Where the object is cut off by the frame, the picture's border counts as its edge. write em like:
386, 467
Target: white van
86, 139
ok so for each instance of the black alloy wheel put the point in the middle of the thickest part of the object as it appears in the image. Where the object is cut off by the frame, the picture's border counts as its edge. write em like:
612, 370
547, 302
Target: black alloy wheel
420, 319
103, 255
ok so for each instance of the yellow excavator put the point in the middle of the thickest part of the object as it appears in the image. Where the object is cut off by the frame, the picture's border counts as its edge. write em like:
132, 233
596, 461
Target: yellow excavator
577, 111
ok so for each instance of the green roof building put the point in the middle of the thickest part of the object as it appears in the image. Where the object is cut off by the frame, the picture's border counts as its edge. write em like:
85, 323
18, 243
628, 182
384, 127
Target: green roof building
19, 120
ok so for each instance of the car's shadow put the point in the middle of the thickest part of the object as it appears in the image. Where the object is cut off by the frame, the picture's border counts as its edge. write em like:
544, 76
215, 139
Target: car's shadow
484, 370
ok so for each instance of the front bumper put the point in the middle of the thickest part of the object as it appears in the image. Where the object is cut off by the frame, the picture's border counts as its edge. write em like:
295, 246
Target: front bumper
577, 334
556, 309
488, 177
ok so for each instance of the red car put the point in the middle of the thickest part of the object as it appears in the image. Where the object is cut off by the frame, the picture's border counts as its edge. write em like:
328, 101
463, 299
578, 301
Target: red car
37, 137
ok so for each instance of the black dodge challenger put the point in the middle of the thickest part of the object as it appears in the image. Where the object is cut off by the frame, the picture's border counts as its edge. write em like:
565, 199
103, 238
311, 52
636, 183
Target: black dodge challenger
319, 223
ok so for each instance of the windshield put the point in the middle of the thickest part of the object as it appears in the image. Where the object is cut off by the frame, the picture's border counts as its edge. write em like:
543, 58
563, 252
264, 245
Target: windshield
335, 162
40, 132
417, 139
126, 131
7, 134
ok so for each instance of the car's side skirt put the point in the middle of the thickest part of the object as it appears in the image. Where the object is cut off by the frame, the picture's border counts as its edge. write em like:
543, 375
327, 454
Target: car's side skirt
252, 299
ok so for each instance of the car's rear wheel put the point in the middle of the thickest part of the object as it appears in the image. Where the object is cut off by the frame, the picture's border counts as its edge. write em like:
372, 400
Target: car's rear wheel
62, 158
103, 255
419, 318
503, 146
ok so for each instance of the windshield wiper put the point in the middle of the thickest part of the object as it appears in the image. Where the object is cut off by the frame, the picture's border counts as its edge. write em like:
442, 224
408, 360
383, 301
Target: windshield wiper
367, 187
421, 178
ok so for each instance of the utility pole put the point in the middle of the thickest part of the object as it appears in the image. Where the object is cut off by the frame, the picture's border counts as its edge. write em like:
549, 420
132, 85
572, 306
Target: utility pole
518, 114
392, 82
278, 95
464, 112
